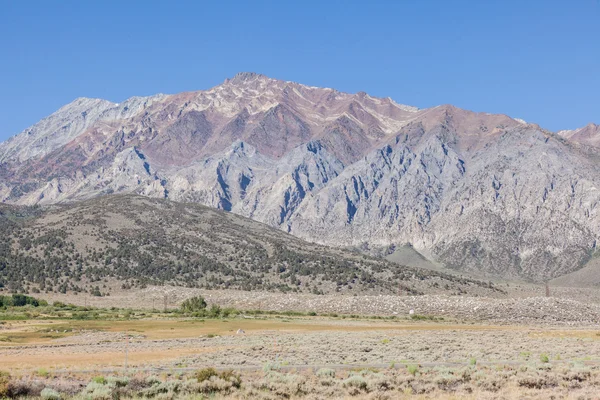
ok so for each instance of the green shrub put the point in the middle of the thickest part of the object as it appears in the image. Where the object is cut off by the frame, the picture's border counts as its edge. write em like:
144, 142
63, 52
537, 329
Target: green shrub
205, 374
412, 369
99, 379
544, 358
4, 384
418, 317
472, 361
230, 376
193, 304
214, 311
20, 300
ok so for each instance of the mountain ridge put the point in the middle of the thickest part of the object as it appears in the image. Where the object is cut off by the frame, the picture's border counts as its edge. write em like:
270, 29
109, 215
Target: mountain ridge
480, 192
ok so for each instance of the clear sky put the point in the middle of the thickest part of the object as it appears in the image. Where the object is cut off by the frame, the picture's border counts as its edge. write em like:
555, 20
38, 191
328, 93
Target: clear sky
533, 59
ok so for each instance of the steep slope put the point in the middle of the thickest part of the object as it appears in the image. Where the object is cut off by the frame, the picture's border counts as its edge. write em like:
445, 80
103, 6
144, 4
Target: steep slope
132, 241
523, 206
474, 191
54, 131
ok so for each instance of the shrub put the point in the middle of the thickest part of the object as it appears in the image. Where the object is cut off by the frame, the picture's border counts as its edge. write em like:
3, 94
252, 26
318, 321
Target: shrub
231, 377
356, 381
537, 381
20, 300
98, 391
205, 374
4, 384
50, 394
226, 312
325, 372
43, 372
117, 381
271, 367
472, 361
412, 369
418, 317
99, 379
544, 358
193, 304
152, 380
214, 311
162, 389
447, 379
365, 371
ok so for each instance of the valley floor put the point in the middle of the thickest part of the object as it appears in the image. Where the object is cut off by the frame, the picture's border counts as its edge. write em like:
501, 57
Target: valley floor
305, 357
518, 347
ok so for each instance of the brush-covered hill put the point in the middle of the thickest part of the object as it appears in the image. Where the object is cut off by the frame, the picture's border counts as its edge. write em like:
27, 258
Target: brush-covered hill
133, 241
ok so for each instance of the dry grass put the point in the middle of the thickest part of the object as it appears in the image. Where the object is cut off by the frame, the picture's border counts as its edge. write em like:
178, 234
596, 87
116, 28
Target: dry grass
295, 349
504, 382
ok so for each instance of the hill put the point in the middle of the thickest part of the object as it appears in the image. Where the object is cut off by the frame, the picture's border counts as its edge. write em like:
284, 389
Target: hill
129, 242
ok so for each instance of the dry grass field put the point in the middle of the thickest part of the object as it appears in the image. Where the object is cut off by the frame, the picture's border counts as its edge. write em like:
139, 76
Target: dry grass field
301, 346
156, 355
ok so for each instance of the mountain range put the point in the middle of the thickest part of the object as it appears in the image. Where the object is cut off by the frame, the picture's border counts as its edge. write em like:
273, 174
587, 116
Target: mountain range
475, 192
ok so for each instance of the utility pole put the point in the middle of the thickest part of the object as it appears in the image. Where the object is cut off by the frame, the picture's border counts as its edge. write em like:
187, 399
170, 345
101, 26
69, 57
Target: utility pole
547, 289
165, 299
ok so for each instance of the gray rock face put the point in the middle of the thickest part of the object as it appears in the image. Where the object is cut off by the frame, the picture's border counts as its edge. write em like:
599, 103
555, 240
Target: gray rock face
477, 192
54, 131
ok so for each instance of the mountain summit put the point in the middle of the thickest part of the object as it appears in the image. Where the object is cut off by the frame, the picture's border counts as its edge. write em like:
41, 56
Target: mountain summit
475, 191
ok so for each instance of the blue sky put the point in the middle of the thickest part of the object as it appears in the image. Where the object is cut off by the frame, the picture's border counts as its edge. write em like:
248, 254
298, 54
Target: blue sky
537, 59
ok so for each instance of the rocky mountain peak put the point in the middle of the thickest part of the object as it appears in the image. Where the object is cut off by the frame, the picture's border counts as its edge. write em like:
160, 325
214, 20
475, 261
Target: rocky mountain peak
246, 77
473, 191
588, 135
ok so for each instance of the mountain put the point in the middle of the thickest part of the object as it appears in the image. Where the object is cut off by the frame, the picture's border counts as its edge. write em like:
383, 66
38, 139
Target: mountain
476, 192
120, 242
588, 135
